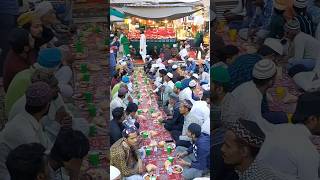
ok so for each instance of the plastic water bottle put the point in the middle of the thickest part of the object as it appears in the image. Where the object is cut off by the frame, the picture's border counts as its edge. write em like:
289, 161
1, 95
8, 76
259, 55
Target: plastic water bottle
170, 170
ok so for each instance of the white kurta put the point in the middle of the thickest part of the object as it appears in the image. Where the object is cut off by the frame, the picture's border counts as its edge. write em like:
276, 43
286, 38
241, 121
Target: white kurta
201, 110
289, 150
49, 122
306, 47
205, 77
22, 129
116, 102
183, 53
143, 47
250, 99
186, 94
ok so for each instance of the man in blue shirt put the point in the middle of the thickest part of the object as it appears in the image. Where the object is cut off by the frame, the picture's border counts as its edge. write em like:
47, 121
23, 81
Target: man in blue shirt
196, 159
191, 66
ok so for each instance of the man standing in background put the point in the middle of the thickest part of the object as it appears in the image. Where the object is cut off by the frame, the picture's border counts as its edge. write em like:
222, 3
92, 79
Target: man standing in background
143, 46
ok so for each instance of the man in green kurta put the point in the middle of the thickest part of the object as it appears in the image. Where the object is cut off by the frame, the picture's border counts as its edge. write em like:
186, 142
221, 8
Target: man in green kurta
125, 42
48, 61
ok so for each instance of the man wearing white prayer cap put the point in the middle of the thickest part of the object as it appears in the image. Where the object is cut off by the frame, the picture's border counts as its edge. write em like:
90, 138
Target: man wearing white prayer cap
186, 93
168, 87
306, 48
114, 173
183, 53
250, 94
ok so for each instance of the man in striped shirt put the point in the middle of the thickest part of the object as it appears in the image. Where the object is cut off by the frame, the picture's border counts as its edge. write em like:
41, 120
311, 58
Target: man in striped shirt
300, 8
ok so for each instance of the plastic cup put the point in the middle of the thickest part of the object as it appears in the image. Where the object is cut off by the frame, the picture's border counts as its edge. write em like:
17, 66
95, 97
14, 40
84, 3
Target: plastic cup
92, 130
79, 47
233, 34
148, 151
280, 92
169, 149
88, 96
289, 115
83, 68
170, 159
92, 110
145, 135
94, 159
86, 77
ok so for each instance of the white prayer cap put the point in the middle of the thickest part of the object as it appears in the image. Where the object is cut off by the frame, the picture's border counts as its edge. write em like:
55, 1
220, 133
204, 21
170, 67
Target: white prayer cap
175, 45
264, 69
154, 66
114, 173
170, 61
170, 75
123, 63
195, 75
274, 44
148, 56
174, 66
111, 35
128, 55
130, 46
300, 3
192, 83
43, 8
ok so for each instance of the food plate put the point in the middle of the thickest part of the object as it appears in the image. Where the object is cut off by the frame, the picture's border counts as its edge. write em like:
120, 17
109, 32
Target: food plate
141, 132
78, 96
173, 145
177, 169
147, 176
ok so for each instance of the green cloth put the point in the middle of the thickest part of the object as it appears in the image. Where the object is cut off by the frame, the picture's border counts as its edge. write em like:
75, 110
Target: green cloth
198, 39
219, 74
115, 89
276, 26
125, 42
18, 87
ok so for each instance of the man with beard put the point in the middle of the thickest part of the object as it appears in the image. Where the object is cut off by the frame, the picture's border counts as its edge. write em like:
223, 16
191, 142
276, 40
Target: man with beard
58, 116
220, 79
125, 156
26, 127
242, 144
18, 58
296, 153
48, 61
249, 95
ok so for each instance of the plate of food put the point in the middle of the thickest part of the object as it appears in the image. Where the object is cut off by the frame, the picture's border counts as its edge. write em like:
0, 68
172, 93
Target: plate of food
177, 169
173, 145
94, 67
147, 176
